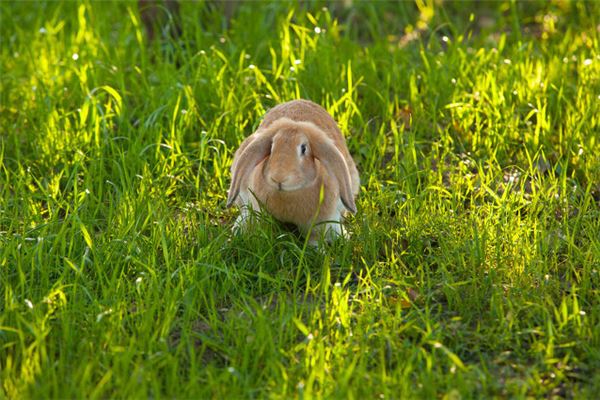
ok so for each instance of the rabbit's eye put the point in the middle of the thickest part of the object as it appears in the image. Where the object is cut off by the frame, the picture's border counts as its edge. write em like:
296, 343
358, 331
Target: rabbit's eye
303, 149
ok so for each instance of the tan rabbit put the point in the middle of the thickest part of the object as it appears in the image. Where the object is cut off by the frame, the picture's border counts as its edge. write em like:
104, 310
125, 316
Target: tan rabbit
297, 167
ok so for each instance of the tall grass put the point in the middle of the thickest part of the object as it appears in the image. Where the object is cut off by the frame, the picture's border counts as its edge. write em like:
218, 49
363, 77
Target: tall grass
472, 266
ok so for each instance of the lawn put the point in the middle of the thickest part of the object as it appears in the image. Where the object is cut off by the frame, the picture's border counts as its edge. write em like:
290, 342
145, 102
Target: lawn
472, 265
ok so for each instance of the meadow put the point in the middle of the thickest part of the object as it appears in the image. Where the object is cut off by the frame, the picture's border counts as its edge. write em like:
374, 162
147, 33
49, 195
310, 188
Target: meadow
472, 266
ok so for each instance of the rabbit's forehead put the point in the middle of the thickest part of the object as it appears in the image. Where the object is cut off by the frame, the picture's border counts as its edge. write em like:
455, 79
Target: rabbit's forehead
290, 137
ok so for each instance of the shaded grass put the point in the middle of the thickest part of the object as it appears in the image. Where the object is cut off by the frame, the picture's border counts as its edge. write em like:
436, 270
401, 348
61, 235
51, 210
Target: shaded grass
473, 263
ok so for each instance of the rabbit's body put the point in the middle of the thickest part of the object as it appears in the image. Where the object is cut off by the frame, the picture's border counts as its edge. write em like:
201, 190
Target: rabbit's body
297, 167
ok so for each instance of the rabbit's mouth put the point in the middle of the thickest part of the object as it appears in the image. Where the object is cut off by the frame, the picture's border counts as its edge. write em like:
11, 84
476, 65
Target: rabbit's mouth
283, 188
289, 183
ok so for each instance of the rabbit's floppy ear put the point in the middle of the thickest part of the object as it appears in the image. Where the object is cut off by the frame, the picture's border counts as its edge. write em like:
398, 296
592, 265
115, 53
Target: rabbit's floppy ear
251, 152
330, 156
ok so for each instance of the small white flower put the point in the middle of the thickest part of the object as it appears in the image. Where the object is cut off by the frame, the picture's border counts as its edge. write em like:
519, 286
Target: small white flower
507, 61
297, 62
231, 370
317, 30
75, 56
103, 314
310, 337
582, 313
184, 111
292, 69
43, 31
251, 66
28, 303
587, 62
445, 39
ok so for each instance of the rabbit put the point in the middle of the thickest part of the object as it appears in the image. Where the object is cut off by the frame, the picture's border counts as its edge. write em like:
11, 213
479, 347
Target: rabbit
297, 167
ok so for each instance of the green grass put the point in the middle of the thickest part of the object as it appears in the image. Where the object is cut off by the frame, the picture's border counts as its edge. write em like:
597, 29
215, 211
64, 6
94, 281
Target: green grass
473, 264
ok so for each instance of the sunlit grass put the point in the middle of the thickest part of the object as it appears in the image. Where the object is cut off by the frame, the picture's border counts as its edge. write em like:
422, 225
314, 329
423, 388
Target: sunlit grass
472, 267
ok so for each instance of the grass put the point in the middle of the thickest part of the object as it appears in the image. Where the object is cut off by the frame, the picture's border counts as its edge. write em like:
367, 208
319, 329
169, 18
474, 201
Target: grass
473, 264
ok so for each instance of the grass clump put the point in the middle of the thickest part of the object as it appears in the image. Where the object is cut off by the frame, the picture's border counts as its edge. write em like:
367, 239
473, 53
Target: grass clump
472, 267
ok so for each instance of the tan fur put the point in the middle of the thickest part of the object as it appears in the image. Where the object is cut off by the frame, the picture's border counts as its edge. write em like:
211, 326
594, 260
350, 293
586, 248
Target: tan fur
297, 153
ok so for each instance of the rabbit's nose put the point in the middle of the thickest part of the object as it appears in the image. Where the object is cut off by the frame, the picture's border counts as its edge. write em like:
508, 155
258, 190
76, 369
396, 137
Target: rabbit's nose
277, 181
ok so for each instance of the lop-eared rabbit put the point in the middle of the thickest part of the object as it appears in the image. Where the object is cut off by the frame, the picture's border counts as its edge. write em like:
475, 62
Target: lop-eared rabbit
297, 167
